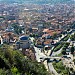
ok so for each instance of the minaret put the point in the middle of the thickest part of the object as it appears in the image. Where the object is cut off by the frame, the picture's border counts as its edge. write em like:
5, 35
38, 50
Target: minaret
24, 25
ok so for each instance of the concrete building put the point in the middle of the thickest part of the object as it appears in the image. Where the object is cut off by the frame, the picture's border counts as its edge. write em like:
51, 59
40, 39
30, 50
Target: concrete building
23, 42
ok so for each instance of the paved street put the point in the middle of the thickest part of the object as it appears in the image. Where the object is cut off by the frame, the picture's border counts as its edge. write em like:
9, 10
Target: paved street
57, 52
51, 69
39, 54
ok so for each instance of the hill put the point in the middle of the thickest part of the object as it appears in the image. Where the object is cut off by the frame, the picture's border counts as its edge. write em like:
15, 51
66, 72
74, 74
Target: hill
12, 62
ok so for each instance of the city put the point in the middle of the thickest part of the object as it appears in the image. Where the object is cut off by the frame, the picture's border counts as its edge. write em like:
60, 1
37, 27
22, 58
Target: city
37, 39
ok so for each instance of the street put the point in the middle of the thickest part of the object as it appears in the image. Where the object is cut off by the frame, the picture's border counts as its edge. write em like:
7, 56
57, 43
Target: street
51, 69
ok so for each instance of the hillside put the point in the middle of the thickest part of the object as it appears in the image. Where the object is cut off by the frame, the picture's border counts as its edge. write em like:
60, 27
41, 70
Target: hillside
12, 62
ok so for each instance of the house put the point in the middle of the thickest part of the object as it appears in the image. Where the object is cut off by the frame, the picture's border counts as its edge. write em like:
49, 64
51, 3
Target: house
5, 39
47, 42
35, 30
9, 37
9, 29
47, 33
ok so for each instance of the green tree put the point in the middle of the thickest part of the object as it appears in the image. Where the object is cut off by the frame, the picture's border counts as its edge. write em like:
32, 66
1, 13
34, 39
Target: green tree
15, 71
14, 63
54, 36
72, 50
63, 52
74, 61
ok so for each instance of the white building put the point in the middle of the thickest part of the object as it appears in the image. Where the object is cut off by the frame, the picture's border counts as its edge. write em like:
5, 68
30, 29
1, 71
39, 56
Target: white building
1, 40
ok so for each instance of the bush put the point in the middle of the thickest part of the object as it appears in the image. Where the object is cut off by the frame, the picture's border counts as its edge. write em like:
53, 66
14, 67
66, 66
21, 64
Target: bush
57, 47
60, 68
63, 52
72, 37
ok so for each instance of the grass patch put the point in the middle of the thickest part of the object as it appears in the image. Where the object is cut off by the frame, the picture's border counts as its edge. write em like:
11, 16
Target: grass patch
60, 68
66, 38
59, 55
58, 47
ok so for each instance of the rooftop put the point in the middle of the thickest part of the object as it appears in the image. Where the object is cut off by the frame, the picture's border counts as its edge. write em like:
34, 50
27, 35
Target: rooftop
24, 38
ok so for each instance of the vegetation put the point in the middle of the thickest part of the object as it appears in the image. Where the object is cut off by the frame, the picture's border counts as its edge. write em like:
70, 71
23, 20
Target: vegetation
63, 52
54, 36
14, 63
60, 68
66, 38
64, 48
57, 47
72, 37
59, 55
2, 17
17, 28
60, 35
34, 35
72, 50
74, 61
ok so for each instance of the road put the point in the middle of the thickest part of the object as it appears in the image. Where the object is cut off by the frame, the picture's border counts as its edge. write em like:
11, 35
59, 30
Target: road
39, 54
57, 52
51, 57
51, 69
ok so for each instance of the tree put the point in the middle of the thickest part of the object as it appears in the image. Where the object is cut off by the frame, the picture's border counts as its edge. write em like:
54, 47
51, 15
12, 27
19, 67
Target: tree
63, 52
14, 63
15, 71
3, 72
72, 37
72, 50
55, 34
74, 61
60, 35
71, 69
68, 29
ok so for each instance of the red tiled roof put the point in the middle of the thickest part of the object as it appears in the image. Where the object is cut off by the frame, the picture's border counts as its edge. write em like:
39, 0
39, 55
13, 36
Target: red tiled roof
51, 32
48, 41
